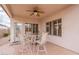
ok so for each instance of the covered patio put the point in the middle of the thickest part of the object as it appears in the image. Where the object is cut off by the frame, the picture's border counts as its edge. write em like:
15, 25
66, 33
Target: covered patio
41, 29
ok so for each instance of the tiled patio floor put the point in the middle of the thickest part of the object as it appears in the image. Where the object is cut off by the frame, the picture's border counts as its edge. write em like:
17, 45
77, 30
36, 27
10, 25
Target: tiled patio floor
52, 49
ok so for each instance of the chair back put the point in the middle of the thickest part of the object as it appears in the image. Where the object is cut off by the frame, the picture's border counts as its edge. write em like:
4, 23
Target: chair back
33, 38
44, 38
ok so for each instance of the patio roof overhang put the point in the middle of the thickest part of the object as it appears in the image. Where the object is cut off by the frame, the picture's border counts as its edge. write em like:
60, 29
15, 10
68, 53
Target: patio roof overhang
19, 10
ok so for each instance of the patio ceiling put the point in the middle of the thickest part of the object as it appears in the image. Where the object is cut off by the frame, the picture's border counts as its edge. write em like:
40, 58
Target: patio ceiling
19, 10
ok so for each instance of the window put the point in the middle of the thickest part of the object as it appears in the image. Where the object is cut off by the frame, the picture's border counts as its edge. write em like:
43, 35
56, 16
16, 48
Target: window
31, 28
54, 27
28, 27
35, 28
57, 27
48, 27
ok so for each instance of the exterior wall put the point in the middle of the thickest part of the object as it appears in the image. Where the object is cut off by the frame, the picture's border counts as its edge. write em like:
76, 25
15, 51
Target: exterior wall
70, 27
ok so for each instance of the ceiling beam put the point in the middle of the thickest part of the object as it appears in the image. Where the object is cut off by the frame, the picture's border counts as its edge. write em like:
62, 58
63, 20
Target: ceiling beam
6, 9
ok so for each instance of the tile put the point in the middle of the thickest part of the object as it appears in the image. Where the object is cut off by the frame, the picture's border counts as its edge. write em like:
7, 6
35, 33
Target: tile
52, 49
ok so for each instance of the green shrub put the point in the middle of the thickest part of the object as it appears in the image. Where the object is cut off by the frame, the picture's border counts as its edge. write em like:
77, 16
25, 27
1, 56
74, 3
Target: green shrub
5, 34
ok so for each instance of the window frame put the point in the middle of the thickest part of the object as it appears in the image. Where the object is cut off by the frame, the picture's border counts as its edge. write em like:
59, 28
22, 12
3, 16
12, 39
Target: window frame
34, 28
58, 31
52, 25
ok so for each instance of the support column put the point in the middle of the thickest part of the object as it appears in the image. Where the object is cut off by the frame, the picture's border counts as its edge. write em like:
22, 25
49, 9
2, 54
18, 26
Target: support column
12, 31
22, 37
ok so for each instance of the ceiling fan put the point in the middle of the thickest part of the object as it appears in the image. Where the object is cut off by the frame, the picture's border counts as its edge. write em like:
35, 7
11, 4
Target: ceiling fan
36, 11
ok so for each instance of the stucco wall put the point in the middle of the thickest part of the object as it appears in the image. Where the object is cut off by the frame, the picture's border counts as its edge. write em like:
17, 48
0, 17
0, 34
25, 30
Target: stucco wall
70, 27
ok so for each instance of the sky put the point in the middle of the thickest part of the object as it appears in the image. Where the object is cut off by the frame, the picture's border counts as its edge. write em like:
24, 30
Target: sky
4, 19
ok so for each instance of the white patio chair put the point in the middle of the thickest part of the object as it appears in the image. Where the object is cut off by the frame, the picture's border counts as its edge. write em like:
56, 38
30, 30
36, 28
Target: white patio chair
33, 41
27, 44
41, 43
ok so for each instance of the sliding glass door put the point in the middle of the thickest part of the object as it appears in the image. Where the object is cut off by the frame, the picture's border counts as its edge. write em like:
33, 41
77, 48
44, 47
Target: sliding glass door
33, 28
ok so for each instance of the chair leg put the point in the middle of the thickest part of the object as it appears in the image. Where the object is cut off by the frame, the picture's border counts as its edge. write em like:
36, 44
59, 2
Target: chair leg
25, 49
37, 49
44, 49
28, 47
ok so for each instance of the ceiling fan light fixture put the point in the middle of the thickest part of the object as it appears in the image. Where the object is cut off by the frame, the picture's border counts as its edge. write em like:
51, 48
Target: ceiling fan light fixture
35, 13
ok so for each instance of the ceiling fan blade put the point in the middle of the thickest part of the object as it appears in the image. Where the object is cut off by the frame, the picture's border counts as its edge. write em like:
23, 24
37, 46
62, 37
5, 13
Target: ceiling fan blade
29, 10
38, 14
31, 14
40, 11
36, 11
36, 8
